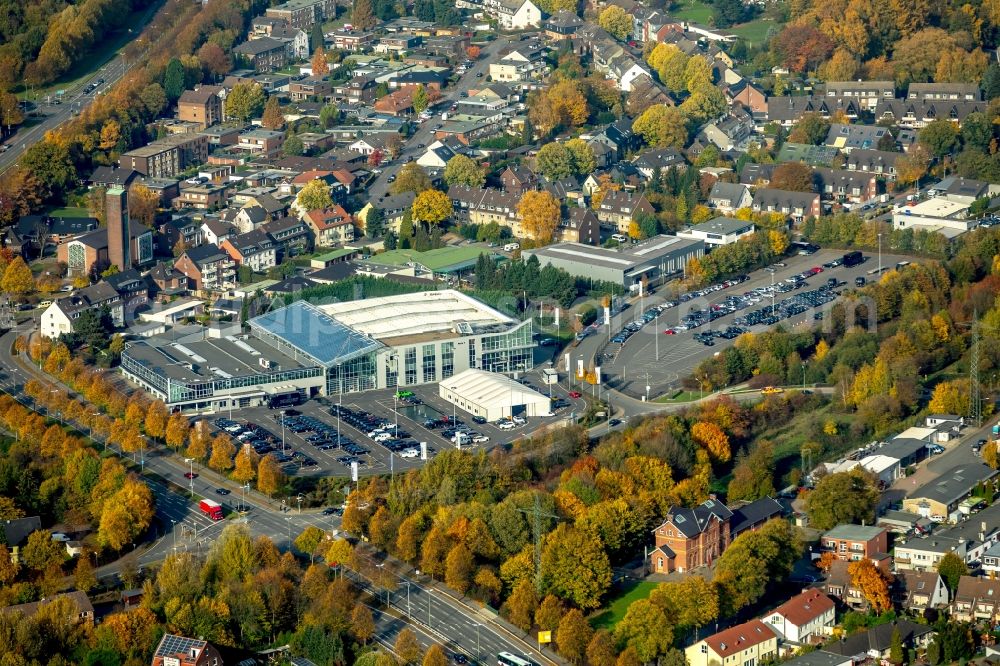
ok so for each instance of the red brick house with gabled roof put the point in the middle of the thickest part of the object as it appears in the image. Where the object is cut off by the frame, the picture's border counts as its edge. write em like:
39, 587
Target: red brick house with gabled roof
691, 538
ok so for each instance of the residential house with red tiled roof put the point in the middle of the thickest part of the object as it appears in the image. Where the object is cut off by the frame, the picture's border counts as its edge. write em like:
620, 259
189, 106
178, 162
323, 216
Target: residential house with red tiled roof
398, 103
747, 644
330, 226
805, 618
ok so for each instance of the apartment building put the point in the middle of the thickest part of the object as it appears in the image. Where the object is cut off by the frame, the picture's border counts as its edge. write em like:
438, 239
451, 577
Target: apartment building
855, 542
748, 644
167, 157
203, 105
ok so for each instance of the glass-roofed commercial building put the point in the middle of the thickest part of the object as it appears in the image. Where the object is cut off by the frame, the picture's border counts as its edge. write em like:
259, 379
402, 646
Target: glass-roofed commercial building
333, 348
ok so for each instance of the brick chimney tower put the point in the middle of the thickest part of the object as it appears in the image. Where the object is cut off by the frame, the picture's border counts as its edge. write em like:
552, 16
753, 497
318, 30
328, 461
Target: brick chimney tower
119, 244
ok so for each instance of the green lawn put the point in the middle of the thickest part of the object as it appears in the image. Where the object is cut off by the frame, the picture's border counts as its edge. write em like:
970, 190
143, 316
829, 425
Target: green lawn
754, 32
70, 212
634, 590
682, 396
693, 10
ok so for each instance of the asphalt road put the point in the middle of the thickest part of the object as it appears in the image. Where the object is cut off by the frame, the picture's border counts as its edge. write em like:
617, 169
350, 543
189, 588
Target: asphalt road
72, 102
181, 526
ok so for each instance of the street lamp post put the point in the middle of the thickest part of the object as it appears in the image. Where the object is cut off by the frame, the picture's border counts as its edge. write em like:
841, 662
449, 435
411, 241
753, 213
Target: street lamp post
407, 584
803, 376
173, 529
880, 254
93, 414
190, 462
656, 333
299, 500
282, 414
478, 652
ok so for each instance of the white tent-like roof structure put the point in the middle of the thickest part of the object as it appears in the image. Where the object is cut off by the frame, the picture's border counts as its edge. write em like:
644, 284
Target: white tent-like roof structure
492, 396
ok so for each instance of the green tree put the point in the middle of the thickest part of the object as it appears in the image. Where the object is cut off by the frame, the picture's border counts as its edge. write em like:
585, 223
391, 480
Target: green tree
293, 146
584, 160
616, 21
753, 476
329, 115
575, 566
844, 497
40, 551
940, 136
952, 568
411, 178
573, 636
462, 170
314, 196
245, 101
173, 79
420, 99
662, 126
812, 128
754, 560
646, 629
309, 541
52, 166
555, 161
897, 655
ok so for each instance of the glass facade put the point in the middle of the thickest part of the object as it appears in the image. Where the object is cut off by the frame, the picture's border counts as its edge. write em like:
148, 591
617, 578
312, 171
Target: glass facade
392, 370
176, 390
447, 359
507, 352
429, 362
410, 366
358, 374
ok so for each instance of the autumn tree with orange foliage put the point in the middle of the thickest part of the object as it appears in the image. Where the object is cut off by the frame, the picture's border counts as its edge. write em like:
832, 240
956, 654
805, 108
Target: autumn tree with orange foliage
874, 585
713, 439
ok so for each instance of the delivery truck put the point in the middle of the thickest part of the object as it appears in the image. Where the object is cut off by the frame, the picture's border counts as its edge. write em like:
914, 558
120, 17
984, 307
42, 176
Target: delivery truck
211, 508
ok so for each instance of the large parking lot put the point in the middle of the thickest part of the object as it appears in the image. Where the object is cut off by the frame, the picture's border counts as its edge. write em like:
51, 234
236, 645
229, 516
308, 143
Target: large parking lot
659, 344
379, 430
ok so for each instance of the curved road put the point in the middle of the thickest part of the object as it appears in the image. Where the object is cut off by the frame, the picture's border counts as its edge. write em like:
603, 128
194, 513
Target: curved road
73, 100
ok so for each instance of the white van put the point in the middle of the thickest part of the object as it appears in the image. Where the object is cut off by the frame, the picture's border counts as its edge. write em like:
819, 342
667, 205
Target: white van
510, 247
621, 238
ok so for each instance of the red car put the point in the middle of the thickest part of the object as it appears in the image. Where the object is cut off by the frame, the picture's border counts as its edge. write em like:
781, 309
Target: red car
189, 475
815, 270
670, 331
574, 394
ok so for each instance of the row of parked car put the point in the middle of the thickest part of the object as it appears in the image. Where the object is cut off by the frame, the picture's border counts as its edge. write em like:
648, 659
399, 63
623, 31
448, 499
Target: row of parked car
789, 307
381, 430
324, 436
263, 442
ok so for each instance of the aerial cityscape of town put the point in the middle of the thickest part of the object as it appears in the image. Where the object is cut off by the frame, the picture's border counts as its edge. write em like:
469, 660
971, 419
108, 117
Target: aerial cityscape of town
514, 332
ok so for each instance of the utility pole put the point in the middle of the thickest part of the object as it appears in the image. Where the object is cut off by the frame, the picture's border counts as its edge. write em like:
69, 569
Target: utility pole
537, 514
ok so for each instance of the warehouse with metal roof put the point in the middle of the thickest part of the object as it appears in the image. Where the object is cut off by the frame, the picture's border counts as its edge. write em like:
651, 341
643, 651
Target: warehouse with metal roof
493, 396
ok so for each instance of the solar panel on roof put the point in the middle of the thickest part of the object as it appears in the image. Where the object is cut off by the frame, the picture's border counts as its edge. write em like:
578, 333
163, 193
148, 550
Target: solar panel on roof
172, 645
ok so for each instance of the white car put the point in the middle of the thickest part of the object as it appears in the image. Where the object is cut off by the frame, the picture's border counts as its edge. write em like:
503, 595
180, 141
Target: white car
60, 537
518, 420
409, 453
374, 433
479, 439
506, 425
382, 437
